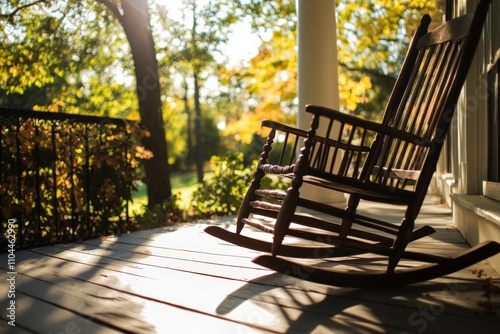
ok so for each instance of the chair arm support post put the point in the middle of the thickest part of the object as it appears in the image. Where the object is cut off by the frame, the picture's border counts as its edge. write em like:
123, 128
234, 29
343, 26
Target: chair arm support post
244, 211
291, 199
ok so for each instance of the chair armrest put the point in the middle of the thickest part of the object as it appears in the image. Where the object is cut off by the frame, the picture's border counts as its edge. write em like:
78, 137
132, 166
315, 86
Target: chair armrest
278, 126
302, 133
366, 124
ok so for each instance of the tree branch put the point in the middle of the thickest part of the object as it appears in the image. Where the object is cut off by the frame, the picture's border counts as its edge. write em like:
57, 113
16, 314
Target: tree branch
113, 8
375, 74
20, 8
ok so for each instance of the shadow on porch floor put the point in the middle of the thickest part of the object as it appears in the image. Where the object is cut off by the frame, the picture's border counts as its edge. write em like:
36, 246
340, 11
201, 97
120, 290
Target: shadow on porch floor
181, 280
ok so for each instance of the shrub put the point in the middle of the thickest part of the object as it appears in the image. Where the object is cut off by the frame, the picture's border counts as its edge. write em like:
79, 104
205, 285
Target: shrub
223, 193
166, 214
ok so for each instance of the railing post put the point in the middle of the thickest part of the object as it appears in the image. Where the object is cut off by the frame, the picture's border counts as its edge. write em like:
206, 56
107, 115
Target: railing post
19, 184
87, 181
38, 203
55, 203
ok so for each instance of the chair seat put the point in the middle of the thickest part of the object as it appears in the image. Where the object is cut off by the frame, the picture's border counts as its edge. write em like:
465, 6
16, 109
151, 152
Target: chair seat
364, 189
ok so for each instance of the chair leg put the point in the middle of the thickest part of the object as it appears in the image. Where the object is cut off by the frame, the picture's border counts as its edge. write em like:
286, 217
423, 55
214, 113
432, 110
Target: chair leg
291, 199
284, 218
244, 211
402, 240
346, 225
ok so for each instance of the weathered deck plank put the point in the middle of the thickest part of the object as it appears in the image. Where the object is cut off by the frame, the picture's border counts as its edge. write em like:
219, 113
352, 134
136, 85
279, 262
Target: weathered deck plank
118, 307
37, 316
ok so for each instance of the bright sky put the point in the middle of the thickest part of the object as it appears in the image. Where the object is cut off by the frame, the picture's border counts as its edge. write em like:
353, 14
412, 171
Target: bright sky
242, 44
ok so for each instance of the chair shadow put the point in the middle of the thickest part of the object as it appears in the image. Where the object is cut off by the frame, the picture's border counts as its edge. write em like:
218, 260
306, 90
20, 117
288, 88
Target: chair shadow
321, 306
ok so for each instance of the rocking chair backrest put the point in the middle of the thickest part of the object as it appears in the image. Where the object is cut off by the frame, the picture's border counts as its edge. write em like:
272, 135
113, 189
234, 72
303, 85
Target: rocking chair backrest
423, 101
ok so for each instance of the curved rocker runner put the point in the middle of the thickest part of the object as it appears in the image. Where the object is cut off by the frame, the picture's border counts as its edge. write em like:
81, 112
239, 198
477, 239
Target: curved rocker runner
444, 266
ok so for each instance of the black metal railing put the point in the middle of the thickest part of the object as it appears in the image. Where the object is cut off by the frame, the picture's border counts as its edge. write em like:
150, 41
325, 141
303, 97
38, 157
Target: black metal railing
63, 177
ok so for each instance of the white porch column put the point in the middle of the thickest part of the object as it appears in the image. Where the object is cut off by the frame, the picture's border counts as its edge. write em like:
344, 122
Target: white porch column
317, 69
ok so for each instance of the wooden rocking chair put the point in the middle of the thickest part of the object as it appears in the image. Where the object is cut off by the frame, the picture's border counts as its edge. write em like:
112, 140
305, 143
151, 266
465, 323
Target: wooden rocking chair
389, 162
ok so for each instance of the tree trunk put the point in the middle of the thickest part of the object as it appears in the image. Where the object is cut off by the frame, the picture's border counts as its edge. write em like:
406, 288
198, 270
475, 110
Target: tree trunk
197, 108
135, 20
198, 129
187, 110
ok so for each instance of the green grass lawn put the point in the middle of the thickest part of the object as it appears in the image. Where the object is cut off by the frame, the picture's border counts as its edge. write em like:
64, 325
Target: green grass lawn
183, 184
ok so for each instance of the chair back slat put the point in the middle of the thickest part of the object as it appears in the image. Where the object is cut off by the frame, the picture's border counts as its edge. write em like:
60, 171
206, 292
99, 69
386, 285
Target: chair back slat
418, 102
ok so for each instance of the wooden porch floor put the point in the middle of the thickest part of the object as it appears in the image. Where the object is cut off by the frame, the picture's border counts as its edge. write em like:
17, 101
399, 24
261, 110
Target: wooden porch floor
184, 281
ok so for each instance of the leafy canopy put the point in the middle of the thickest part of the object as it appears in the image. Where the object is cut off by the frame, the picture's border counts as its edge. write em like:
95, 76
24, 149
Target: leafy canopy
64, 55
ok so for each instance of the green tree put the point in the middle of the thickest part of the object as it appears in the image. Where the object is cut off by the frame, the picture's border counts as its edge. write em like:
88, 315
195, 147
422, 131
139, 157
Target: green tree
57, 37
269, 81
200, 42
372, 40
45, 49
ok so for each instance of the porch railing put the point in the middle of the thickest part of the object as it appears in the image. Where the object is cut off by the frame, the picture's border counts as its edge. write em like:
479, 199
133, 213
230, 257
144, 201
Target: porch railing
63, 177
